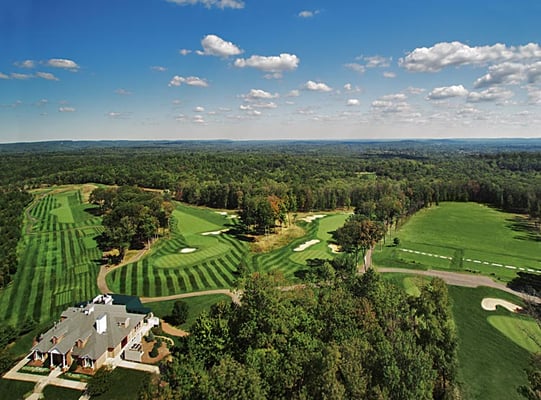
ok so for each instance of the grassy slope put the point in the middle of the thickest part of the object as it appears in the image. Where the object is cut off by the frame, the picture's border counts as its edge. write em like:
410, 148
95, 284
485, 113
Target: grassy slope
197, 305
491, 365
462, 231
57, 258
15, 390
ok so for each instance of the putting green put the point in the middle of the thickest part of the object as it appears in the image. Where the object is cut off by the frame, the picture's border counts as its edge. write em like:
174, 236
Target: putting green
524, 332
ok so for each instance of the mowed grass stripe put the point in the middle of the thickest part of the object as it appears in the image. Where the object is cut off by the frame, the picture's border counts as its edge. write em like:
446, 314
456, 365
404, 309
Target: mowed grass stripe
203, 276
214, 276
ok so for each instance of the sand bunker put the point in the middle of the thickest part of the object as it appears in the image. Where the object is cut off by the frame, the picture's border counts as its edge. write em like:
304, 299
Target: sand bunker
334, 248
224, 213
304, 246
489, 304
188, 250
214, 232
311, 218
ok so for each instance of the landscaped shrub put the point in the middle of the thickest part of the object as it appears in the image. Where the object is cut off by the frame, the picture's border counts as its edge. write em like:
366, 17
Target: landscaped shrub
154, 352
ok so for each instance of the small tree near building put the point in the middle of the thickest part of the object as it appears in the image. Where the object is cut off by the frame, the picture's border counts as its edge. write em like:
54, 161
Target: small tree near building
179, 315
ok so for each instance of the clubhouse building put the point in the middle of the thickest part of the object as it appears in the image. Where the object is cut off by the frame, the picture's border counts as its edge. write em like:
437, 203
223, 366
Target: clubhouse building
94, 334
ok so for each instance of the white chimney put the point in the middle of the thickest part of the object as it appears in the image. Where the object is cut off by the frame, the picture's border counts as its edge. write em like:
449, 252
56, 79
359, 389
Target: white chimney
101, 324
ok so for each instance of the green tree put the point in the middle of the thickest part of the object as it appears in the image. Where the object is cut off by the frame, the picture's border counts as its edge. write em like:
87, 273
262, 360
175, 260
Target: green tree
180, 311
100, 382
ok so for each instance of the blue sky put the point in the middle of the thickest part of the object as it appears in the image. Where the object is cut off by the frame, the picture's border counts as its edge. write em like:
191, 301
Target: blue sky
261, 69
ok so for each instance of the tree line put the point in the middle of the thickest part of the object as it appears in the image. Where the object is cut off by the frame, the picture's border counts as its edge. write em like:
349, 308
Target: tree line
348, 337
316, 176
12, 205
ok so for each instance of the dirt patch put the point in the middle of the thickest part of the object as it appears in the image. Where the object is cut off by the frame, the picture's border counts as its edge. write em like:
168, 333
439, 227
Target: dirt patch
281, 238
86, 190
163, 352
173, 331
490, 304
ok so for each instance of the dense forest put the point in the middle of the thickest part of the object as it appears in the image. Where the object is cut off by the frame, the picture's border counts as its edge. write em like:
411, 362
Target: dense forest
354, 337
312, 175
12, 204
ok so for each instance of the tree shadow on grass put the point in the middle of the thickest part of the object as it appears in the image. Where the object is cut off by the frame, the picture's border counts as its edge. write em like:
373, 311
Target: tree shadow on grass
526, 229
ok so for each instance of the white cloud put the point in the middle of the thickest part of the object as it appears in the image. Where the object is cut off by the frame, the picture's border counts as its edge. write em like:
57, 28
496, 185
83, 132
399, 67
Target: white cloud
46, 75
353, 102
505, 73
269, 104
199, 119
184, 52
215, 46
66, 109
26, 64
376, 61
118, 115
389, 75
394, 97
22, 77
3, 76
158, 68
356, 67
317, 86
276, 64
62, 63
533, 72
122, 92
415, 90
258, 94
534, 95
386, 106
308, 13
455, 54
446, 92
190, 81
199, 109
235, 4
348, 87
293, 93
491, 94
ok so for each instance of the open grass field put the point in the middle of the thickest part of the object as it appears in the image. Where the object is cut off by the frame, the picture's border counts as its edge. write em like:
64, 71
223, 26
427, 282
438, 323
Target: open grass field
51, 392
58, 258
197, 305
15, 390
465, 237
200, 255
491, 360
288, 261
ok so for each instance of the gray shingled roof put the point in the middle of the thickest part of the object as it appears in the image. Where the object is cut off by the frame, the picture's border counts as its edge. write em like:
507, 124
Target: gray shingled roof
79, 323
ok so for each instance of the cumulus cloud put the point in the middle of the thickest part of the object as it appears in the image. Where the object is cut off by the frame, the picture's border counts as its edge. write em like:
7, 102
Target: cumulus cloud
356, 67
235, 4
293, 93
21, 77
62, 63
190, 81
184, 52
274, 64
376, 61
446, 92
25, 64
158, 68
199, 109
269, 104
415, 90
66, 109
389, 75
348, 87
215, 46
308, 13
3, 76
456, 54
46, 75
317, 86
509, 73
394, 97
386, 106
491, 94
353, 102
258, 94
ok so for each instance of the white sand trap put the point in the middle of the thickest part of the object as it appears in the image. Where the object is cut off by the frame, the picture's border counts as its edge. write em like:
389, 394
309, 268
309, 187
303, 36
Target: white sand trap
224, 213
334, 248
214, 232
311, 218
490, 304
304, 246
188, 250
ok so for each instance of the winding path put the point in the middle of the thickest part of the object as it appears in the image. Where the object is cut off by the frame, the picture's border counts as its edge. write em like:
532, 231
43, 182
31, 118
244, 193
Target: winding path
460, 279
